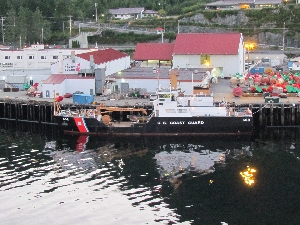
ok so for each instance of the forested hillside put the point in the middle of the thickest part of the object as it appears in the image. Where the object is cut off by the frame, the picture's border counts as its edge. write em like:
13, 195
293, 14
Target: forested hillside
29, 21
48, 21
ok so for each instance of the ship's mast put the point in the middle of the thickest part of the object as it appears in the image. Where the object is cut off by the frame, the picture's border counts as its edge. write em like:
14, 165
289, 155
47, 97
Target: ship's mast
173, 75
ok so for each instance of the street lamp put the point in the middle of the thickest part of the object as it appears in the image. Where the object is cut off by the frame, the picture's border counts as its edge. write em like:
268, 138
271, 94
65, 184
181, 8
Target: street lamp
249, 46
96, 4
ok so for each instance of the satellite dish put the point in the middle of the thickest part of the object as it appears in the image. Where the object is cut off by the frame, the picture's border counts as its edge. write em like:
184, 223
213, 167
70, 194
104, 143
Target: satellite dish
196, 71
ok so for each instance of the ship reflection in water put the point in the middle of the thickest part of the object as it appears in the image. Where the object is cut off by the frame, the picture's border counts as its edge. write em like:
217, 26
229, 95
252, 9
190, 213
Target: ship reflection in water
172, 159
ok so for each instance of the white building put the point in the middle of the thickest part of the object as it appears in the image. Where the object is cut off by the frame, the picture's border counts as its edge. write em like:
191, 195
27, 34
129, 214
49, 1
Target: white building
295, 66
131, 13
34, 57
85, 63
33, 63
60, 84
36, 64
224, 52
78, 72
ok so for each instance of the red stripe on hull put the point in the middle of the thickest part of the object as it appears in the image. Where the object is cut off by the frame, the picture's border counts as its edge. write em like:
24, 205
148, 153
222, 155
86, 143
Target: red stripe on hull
81, 124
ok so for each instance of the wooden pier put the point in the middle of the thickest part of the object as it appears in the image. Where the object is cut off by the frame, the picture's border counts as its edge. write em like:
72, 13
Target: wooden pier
276, 115
41, 112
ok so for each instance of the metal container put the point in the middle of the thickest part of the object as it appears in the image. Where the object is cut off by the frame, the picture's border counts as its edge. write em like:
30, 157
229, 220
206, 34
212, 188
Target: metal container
83, 99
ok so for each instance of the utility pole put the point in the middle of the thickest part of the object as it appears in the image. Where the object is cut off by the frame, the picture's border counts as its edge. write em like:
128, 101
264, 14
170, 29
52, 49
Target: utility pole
283, 37
178, 27
96, 11
42, 35
2, 24
70, 24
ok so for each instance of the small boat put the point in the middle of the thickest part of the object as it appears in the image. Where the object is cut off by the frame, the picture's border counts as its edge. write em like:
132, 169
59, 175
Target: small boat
173, 113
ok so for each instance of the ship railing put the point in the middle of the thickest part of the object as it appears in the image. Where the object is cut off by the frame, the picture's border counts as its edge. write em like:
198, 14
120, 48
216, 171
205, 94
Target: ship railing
198, 95
151, 114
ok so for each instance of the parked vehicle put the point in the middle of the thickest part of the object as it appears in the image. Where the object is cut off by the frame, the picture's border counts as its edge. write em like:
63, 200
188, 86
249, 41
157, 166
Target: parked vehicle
77, 93
68, 95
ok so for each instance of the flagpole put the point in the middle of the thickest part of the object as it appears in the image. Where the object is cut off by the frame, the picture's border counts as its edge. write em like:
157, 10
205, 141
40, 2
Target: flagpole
192, 83
158, 74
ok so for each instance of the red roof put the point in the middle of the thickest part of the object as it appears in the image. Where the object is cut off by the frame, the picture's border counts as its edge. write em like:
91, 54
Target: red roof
59, 78
153, 51
102, 56
207, 43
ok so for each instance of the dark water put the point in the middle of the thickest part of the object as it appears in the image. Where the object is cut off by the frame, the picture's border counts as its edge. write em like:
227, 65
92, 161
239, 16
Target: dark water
96, 180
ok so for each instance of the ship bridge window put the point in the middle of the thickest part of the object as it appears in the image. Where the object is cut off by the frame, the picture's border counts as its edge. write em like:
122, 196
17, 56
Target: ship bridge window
170, 110
164, 95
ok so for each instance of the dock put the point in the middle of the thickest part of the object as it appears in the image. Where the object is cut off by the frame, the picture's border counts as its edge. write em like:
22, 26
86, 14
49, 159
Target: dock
19, 108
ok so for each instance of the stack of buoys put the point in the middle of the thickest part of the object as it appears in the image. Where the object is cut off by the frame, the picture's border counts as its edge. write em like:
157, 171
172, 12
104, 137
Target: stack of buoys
237, 78
297, 78
238, 91
257, 79
59, 98
265, 79
273, 80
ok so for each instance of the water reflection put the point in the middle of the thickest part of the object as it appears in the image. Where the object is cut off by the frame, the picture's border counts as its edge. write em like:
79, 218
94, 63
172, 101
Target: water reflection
169, 158
174, 180
249, 175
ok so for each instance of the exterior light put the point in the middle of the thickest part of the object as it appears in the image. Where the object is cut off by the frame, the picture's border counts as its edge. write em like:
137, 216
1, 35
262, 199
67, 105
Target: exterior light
207, 63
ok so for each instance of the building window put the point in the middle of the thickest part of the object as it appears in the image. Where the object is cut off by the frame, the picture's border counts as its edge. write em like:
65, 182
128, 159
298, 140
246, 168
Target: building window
7, 57
7, 65
205, 59
19, 57
31, 57
55, 57
43, 57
